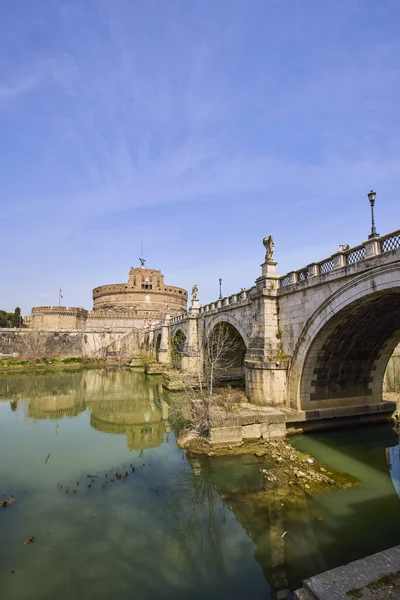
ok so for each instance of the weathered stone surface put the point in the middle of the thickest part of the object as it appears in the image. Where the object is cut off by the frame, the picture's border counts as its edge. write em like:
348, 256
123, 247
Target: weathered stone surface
273, 430
376, 577
251, 432
27, 342
228, 435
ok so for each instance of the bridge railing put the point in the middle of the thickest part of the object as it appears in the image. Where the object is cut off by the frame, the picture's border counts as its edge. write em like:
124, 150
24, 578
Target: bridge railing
390, 242
178, 318
222, 302
345, 257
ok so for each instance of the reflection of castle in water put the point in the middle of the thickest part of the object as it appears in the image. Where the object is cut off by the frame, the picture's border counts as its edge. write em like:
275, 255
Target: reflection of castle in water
120, 402
143, 417
55, 407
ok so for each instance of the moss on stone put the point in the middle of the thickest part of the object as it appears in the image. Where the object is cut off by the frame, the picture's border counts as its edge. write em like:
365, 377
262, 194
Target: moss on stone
289, 472
391, 580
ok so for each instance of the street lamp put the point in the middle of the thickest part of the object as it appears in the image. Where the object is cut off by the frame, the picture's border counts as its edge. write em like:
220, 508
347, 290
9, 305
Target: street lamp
220, 289
371, 198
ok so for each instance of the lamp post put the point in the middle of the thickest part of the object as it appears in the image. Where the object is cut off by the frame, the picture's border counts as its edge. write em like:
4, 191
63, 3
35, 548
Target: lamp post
371, 198
220, 288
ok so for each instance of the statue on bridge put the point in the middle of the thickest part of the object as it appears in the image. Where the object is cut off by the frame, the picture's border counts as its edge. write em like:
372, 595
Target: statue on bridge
269, 247
195, 291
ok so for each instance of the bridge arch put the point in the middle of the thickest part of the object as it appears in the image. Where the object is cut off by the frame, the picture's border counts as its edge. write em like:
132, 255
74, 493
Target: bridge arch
222, 337
343, 350
178, 346
158, 338
227, 318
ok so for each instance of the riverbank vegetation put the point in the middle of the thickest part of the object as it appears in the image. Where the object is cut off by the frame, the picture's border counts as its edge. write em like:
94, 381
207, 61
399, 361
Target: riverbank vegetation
19, 365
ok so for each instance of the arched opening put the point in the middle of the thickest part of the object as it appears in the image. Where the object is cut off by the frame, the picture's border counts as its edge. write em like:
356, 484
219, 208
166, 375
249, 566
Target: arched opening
346, 361
223, 354
178, 342
158, 345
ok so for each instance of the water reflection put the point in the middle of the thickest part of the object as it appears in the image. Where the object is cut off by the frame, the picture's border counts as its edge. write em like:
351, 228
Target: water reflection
242, 488
117, 406
176, 517
161, 532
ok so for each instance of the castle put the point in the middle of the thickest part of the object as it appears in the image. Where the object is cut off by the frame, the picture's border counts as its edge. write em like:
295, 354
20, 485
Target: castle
144, 300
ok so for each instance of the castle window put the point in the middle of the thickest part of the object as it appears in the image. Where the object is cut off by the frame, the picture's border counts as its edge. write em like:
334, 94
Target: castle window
158, 282
147, 286
134, 280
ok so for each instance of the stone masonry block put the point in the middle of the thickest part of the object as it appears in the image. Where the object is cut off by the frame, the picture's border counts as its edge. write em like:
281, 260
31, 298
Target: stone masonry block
229, 435
251, 432
273, 430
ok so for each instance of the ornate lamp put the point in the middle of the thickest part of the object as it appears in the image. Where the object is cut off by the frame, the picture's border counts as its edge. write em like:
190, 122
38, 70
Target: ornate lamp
220, 288
371, 198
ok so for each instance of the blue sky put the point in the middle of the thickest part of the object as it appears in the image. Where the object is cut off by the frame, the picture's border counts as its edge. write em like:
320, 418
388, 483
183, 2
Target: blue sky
196, 127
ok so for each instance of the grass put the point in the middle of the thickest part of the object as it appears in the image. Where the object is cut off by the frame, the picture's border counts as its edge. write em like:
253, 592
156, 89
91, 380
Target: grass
47, 364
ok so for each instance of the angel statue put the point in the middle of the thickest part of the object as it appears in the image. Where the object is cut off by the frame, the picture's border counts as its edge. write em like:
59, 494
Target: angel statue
269, 247
142, 262
195, 291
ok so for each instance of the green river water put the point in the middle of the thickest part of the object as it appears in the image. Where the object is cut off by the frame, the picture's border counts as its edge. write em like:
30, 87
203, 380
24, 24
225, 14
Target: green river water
176, 526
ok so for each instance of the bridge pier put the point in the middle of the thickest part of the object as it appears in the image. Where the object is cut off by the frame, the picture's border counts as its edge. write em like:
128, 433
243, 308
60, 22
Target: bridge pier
266, 382
164, 351
191, 358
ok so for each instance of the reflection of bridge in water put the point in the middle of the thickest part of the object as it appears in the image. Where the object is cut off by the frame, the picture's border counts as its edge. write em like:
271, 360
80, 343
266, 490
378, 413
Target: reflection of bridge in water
292, 540
137, 411
262, 518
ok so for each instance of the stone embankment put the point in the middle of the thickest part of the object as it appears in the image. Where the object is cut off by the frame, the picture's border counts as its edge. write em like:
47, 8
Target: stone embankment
68, 344
376, 577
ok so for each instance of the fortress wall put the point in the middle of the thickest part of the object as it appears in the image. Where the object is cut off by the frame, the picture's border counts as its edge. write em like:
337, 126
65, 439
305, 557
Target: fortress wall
38, 344
33, 344
58, 317
117, 325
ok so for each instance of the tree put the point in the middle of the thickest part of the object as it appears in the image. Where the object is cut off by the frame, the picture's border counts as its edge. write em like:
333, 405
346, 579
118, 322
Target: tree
219, 352
178, 342
16, 318
33, 344
3, 318
220, 349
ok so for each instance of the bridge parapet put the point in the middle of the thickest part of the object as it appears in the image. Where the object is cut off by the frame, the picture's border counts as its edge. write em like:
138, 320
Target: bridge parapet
178, 318
344, 258
222, 303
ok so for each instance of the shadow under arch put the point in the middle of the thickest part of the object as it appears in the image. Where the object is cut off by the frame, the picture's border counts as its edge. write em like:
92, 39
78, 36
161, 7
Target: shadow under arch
158, 346
223, 339
231, 320
344, 348
178, 345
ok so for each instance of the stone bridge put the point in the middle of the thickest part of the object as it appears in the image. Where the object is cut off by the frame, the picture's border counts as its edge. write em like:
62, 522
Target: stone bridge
316, 339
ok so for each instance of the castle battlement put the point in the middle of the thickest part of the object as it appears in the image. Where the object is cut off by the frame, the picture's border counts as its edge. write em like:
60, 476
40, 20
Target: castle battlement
144, 298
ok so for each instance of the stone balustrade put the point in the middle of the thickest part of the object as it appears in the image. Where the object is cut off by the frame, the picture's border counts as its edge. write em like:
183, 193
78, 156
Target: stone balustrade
222, 303
343, 258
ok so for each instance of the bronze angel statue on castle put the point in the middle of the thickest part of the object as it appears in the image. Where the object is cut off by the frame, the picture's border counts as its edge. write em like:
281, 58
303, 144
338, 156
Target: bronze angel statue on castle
269, 247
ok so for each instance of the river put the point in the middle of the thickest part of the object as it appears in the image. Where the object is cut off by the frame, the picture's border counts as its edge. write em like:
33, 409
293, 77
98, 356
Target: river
115, 509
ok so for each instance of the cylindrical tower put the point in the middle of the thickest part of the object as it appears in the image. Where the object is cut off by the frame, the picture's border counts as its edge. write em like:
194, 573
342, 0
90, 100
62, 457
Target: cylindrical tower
145, 295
